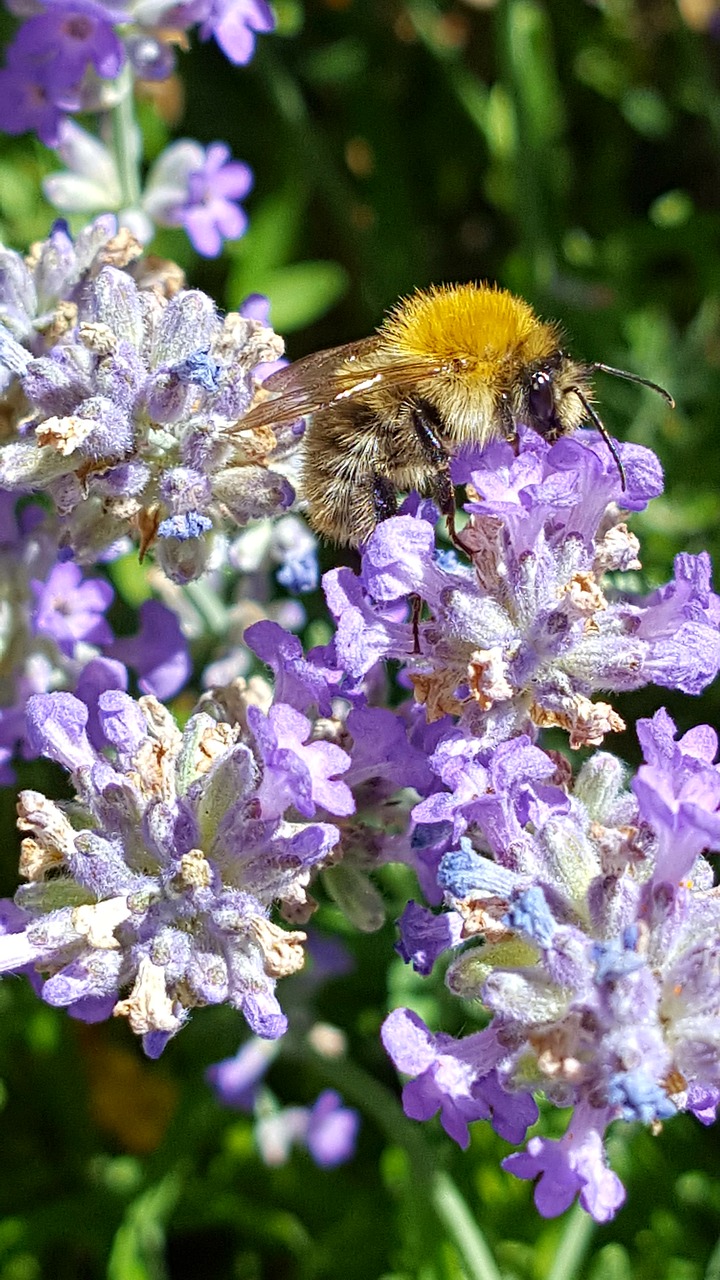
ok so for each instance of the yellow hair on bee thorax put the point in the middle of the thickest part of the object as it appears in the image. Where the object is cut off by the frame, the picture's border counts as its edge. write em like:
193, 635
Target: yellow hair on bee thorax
479, 323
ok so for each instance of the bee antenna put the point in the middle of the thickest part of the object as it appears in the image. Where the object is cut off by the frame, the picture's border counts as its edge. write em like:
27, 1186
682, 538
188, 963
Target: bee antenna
600, 426
634, 377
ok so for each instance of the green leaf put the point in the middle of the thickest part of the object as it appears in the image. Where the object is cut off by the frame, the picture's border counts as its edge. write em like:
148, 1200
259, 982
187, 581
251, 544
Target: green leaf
138, 1250
301, 293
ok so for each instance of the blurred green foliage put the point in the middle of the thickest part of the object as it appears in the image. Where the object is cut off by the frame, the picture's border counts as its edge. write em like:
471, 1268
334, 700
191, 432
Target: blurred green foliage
572, 152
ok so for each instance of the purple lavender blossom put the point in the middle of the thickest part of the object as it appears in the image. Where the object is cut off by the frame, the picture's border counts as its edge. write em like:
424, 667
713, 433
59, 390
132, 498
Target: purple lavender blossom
522, 637
198, 188
234, 24
589, 928
60, 43
135, 409
70, 608
172, 855
236, 1080
158, 653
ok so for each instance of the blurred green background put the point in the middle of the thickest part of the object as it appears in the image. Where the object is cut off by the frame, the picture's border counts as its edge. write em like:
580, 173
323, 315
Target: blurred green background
570, 151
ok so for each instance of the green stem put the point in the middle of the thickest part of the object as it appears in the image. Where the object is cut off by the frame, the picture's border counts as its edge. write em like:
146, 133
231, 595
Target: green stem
435, 1199
125, 140
574, 1242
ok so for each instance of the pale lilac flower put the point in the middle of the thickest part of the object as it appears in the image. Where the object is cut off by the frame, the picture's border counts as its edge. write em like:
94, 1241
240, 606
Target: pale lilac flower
70, 608
327, 1129
234, 24
172, 855
236, 1081
198, 188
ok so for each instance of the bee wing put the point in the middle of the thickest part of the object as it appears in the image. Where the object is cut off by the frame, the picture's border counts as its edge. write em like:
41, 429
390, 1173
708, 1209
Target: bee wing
328, 378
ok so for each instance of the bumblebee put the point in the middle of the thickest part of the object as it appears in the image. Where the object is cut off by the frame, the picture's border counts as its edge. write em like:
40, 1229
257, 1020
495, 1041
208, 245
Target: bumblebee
450, 366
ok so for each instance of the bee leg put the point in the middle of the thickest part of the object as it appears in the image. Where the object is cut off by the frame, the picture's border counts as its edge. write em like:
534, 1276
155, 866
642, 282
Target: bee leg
416, 605
384, 498
428, 425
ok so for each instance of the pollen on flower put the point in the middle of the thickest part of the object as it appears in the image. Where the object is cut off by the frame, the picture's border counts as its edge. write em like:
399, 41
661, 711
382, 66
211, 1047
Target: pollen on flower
148, 1008
65, 435
587, 722
436, 692
486, 677
283, 951
97, 922
195, 870
98, 338
584, 593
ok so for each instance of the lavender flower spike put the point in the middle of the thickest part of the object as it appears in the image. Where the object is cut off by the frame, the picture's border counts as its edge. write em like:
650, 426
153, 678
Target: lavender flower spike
151, 893
524, 636
590, 930
132, 414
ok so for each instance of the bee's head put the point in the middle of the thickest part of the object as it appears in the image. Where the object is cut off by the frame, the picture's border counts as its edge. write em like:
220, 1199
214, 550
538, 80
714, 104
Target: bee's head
557, 397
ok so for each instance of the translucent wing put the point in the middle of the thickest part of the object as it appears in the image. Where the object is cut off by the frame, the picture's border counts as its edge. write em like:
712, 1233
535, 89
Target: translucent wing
328, 378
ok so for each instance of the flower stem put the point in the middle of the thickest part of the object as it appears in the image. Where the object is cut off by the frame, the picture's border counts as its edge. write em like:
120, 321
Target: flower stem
125, 140
573, 1245
435, 1199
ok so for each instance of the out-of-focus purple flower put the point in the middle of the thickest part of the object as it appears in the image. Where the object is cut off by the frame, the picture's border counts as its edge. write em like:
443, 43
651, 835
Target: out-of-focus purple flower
198, 188
332, 1130
328, 1130
236, 1080
59, 44
171, 858
26, 107
234, 24
70, 608
158, 653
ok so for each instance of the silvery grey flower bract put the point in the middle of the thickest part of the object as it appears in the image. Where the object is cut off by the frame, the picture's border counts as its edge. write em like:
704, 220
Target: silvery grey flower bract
151, 892
126, 423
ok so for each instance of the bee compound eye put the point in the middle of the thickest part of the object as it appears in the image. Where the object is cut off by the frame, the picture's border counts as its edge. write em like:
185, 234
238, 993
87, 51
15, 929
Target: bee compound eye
541, 401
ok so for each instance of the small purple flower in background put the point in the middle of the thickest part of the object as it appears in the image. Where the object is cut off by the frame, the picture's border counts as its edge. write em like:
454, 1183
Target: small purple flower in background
234, 24
327, 1129
158, 653
236, 1081
198, 188
71, 608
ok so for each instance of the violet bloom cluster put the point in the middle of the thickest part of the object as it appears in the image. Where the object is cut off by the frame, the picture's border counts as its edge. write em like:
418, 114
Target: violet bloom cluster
65, 50
526, 634
582, 916
151, 892
122, 399
584, 920
54, 633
